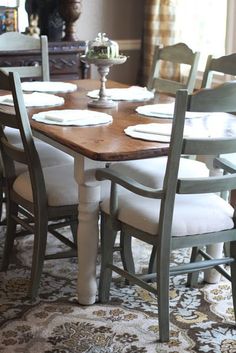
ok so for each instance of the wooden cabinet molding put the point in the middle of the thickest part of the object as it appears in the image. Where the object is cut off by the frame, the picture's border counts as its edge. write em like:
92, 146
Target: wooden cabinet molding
64, 60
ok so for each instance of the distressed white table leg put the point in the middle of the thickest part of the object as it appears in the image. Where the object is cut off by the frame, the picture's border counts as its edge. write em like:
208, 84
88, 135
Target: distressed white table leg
215, 250
88, 235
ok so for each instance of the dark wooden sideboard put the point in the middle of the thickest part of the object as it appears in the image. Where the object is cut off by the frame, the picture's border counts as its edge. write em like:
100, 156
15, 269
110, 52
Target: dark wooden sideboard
64, 60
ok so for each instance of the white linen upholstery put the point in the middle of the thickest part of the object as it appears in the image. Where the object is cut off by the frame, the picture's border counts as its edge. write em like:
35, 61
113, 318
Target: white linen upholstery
211, 212
61, 186
140, 212
150, 172
12, 135
48, 154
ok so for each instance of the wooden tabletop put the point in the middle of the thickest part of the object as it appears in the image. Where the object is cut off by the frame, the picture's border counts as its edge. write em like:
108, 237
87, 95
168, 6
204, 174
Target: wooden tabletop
108, 142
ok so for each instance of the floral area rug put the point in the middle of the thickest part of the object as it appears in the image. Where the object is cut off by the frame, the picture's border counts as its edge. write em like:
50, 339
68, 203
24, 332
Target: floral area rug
201, 318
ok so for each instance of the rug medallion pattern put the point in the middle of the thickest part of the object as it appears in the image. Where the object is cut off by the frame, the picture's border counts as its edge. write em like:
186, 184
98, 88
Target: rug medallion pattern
201, 318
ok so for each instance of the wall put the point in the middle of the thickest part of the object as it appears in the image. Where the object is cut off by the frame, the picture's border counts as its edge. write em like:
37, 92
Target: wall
122, 21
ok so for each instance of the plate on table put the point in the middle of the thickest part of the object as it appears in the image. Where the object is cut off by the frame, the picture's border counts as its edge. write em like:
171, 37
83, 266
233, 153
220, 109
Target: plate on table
165, 111
73, 117
153, 132
48, 86
35, 99
133, 93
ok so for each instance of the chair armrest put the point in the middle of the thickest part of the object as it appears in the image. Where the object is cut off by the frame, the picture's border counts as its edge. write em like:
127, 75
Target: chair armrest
224, 164
128, 183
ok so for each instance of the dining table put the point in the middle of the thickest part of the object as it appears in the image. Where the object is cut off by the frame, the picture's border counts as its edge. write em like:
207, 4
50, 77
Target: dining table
93, 147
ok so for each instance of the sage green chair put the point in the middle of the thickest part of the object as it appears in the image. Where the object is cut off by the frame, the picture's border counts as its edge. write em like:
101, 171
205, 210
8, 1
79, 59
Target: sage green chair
15, 41
177, 54
223, 65
36, 196
152, 171
183, 213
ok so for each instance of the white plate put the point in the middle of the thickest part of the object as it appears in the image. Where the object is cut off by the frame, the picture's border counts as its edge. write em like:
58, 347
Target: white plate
161, 132
85, 117
165, 111
48, 86
35, 99
130, 131
133, 93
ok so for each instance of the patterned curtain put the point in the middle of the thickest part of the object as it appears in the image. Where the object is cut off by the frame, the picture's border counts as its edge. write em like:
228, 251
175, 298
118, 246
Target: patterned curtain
159, 29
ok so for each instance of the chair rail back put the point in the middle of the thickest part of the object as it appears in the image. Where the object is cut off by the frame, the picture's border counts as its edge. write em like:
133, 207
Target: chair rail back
26, 153
220, 99
224, 64
162, 228
179, 53
15, 41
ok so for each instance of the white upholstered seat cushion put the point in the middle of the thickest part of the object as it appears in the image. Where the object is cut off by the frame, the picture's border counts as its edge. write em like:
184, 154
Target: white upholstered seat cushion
61, 186
12, 135
193, 214
150, 172
48, 154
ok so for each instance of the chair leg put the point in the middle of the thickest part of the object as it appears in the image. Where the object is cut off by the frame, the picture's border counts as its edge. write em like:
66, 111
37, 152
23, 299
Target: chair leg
153, 260
108, 236
39, 250
126, 253
233, 274
3, 221
233, 198
1, 197
227, 249
163, 295
192, 280
74, 227
12, 210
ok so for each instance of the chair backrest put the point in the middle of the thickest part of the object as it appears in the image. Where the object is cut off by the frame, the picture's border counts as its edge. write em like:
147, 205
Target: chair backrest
217, 99
25, 152
224, 64
21, 43
179, 53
